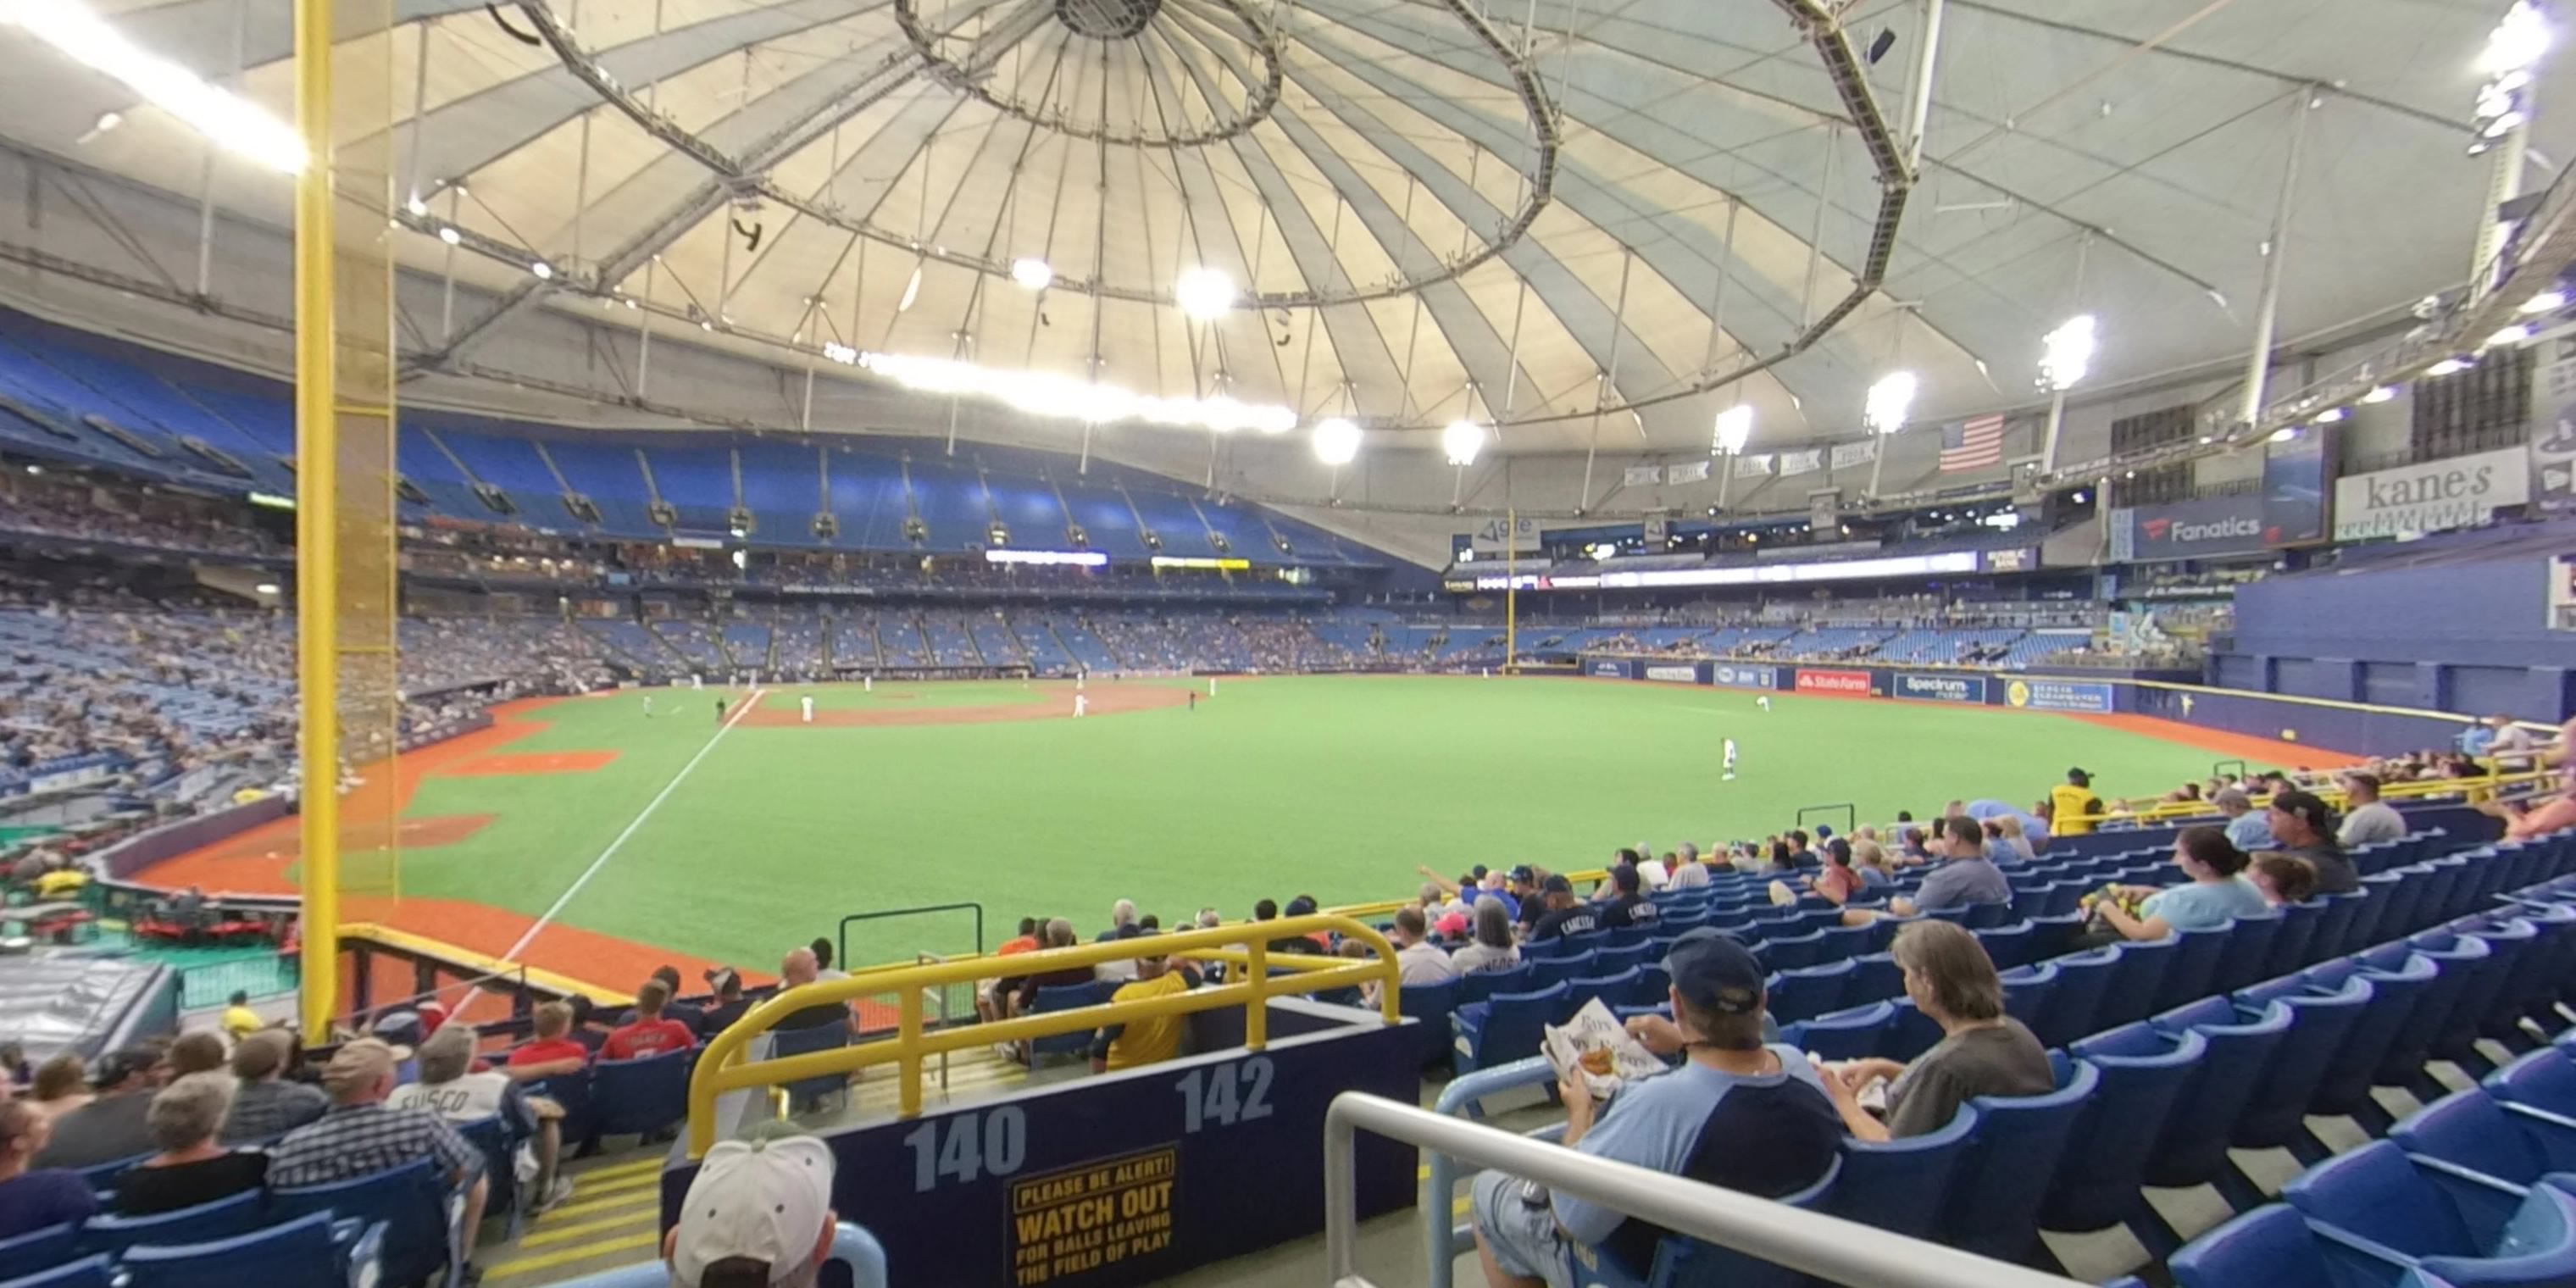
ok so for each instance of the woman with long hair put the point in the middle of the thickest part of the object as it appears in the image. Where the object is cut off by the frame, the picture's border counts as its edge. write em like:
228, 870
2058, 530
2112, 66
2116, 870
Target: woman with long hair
2216, 894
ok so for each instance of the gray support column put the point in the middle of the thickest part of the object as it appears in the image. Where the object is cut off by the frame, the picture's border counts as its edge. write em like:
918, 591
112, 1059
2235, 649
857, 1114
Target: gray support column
2258, 365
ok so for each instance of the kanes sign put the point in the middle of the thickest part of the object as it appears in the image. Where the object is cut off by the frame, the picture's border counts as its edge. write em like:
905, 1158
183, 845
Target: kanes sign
2437, 495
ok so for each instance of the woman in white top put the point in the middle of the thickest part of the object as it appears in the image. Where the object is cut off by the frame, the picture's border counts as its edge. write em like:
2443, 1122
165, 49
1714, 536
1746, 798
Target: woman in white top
1492, 949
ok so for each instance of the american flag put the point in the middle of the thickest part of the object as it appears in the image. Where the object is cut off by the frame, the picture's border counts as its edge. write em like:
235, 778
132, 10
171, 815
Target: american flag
1973, 444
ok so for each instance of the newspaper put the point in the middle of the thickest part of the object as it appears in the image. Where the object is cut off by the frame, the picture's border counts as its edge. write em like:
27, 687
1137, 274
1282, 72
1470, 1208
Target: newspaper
1616, 1058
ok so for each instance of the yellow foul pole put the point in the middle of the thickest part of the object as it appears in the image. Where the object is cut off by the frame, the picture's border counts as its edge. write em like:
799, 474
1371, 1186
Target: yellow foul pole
317, 567
1511, 587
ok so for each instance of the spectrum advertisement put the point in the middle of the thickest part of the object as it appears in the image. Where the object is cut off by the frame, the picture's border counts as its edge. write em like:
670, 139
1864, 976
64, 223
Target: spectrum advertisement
1939, 688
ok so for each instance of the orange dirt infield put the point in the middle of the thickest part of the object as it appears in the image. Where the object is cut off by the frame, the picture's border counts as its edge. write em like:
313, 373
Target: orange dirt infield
1057, 704
2241, 746
532, 762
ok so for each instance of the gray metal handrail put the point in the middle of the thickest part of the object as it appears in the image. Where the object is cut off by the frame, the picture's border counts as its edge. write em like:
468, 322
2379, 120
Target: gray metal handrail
1843, 1251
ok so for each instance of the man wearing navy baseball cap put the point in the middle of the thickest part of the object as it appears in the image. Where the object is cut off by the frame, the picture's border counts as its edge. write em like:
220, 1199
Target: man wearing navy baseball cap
1735, 1113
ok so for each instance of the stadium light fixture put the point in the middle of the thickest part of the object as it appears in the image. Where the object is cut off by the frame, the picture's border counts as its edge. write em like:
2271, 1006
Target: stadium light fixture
2331, 415
2282, 435
2380, 394
416, 207
1734, 429
1337, 441
2503, 103
1204, 293
450, 235
1889, 400
2447, 367
543, 270
2549, 301
230, 121
911, 291
2513, 334
1035, 274
1462, 440
2066, 354
1041, 393
266, 588
2520, 37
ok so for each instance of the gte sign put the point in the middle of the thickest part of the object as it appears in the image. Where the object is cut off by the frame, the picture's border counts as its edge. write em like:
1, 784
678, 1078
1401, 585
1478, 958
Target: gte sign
2458, 493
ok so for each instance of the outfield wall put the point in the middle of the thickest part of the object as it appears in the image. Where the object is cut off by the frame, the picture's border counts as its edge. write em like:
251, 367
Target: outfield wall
2351, 727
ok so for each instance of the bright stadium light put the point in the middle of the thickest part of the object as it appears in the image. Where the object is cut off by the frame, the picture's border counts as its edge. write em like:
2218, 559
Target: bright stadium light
2331, 415
2517, 42
1889, 400
2066, 353
911, 291
1337, 441
2549, 301
1734, 429
450, 235
1462, 440
542, 269
230, 121
1042, 393
1204, 293
2514, 334
2447, 367
1035, 274
2503, 102
2380, 394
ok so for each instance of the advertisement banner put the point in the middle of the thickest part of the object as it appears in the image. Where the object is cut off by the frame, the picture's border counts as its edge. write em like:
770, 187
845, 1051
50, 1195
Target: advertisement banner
1675, 673
2022, 560
2553, 423
2294, 490
1940, 688
2204, 529
1607, 670
2461, 492
1642, 476
1496, 537
1854, 683
2058, 695
1734, 676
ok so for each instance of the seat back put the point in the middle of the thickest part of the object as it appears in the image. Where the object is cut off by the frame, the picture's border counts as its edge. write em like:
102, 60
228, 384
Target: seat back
2082, 980
1794, 950
2192, 968
2333, 936
2270, 1245
1851, 1034
1636, 952
643, 1096
1875, 977
2289, 950
1477, 986
2143, 1073
296, 1254
2469, 1128
1689, 1263
2249, 944
1898, 1185
38, 1249
1613, 990
572, 1091
1811, 991
2344, 1088
2544, 1079
221, 1219
2136, 983
87, 1272
831, 1037
2008, 945
2318, 1025
409, 1199
2376, 1192
1558, 969
2456, 962
1513, 1024
1993, 1206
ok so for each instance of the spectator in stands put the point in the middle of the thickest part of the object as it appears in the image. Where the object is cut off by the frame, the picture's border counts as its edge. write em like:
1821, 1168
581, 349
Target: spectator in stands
676, 1010
582, 1030
32, 1198
1025, 942
1122, 922
113, 1126
1982, 1052
1656, 873
822, 949
362, 1136
1059, 934
651, 1033
450, 1089
239, 1020
2246, 830
1210, 919
199, 1052
1153, 1039
264, 1104
1493, 948
1417, 959
191, 1167
1838, 882
2511, 747
2216, 895
2302, 825
1627, 905
1694, 1122
551, 1051
758, 1215
2006, 841
1565, 914
2073, 808
2282, 878
1689, 873
1966, 877
730, 1005
798, 969
2367, 820
1799, 855
1784, 861
61, 1085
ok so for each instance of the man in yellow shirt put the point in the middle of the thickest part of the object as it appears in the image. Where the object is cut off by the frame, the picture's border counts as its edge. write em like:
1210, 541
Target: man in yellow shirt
1145, 1041
2072, 806
239, 1020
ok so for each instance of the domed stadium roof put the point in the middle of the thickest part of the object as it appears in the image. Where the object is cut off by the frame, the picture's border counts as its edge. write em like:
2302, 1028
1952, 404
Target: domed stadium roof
1581, 220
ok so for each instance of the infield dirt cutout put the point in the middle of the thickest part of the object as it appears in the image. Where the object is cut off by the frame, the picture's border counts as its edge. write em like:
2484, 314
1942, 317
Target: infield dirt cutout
1052, 703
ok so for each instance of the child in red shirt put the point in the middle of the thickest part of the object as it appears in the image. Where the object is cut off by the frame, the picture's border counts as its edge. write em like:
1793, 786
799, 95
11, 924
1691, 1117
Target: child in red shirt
552, 1051
650, 1034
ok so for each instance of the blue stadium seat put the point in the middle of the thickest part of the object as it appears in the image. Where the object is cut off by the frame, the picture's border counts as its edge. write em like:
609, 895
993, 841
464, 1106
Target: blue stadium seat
2136, 983
2509, 1142
1689, 1263
2144, 1072
2334, 936
2382, 905
1613, 990
423, 1221
2190, 974
2544, 1079
1557, 970
101, 1177
1993, 1206
312, 1251
2384, 1213
2008, 945
86, 1272
640, 1097
1653, 987
1876, 976
1811, 991
1794, 951
2272, 1246
2076, 998
1909, 1032
572, 1091
1431, 1005
1477, 986
486, 1135
2241, 1043
2455, 966
1898, 1185
2482, 1005
1610, 961
2345, 1088
2320, 1021
2249, 944
38, 1249
1853, 942
1852, 1034
2289, 948
221, 1219
1506, 1027
808, 1093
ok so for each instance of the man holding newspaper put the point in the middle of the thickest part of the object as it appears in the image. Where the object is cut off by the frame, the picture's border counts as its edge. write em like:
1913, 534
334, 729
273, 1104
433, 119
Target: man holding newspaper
1734, 1113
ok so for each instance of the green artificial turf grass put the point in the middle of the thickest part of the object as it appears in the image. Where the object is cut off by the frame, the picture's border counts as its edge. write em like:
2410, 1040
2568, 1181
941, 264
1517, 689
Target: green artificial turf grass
1334, 787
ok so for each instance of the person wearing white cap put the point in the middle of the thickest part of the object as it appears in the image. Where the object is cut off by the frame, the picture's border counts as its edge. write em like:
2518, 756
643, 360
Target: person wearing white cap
758, 1214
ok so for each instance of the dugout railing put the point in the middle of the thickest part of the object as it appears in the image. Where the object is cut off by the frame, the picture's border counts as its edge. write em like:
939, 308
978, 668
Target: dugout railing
726, 1064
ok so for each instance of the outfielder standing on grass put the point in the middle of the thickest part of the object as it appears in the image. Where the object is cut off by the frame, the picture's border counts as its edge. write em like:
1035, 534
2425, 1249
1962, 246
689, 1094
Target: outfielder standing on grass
807, 702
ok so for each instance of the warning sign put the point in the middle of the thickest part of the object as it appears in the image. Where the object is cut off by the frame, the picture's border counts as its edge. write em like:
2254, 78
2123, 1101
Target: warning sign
1099, 1214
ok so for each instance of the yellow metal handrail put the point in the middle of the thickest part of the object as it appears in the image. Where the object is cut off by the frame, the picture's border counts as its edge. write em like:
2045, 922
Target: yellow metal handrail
722, 1067
2476, 789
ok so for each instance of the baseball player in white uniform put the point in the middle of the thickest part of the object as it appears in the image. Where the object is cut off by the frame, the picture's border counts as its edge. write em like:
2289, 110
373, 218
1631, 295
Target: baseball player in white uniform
1729, 762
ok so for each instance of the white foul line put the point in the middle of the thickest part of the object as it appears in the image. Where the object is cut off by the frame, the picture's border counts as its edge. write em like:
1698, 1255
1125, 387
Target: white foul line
620, 843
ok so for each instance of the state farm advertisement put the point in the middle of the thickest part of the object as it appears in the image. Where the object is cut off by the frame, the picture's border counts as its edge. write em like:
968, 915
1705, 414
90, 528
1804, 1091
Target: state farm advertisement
1845, 683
